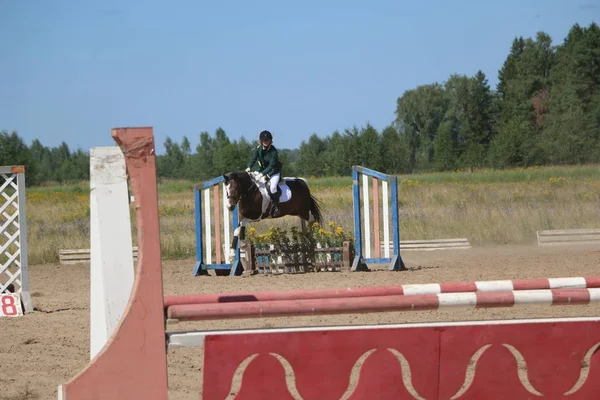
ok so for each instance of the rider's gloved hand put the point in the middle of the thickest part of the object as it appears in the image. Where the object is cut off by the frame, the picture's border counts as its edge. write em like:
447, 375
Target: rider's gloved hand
248, 170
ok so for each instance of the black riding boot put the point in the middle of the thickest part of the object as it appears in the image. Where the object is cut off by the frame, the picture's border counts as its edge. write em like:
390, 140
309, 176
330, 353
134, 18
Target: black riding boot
275, 212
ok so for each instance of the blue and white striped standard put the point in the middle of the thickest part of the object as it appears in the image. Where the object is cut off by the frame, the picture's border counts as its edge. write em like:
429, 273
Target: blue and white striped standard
363, 239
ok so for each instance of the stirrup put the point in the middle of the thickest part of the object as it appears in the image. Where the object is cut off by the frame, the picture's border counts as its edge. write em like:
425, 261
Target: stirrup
275, 211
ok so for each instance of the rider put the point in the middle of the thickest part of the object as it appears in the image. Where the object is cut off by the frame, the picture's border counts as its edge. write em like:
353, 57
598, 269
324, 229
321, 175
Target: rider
269, 167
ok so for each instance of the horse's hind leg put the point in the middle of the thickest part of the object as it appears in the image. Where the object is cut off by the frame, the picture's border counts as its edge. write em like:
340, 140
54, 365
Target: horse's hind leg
304, 220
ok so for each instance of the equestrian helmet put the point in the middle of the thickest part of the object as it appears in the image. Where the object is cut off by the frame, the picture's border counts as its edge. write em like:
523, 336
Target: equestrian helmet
265, 135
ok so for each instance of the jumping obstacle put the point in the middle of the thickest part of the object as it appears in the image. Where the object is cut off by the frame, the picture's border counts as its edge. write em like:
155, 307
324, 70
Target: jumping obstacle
82, 256
387, 303
491, 360
206, 231
14, 276
362, 224
568, 237
434, 244
508, 286
209, 235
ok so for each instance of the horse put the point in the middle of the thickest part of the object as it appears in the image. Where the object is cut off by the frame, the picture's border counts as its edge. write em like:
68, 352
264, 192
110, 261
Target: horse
254, 203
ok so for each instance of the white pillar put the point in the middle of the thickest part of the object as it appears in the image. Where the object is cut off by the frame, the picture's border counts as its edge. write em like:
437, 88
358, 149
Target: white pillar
111, 249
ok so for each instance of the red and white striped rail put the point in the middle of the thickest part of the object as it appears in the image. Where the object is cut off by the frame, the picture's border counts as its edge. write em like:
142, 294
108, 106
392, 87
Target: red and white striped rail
356, 305
430, 288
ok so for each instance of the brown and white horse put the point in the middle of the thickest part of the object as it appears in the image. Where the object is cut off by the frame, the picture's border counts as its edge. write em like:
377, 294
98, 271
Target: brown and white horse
254, 203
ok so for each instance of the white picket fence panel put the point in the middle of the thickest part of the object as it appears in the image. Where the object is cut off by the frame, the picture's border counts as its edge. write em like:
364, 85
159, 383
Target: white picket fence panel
13, 234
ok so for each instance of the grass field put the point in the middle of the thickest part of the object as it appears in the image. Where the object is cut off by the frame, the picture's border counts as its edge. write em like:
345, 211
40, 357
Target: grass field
487, 207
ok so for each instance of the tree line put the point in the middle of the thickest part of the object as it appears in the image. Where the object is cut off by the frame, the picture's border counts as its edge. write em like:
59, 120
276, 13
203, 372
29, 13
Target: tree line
545, 110
44, 164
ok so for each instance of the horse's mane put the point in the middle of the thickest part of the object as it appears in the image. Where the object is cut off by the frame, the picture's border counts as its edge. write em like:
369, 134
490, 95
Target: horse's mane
244, 180
240, 176
237, 175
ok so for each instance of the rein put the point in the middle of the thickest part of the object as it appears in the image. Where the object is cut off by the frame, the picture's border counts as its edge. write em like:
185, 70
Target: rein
243, 194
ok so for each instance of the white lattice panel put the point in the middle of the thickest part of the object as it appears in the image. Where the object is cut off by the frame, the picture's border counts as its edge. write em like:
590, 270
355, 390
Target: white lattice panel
13, 234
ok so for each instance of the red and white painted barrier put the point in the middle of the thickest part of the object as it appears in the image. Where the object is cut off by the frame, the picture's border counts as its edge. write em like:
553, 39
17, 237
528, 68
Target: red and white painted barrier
554, 358
133, 362
428, 288
531, 359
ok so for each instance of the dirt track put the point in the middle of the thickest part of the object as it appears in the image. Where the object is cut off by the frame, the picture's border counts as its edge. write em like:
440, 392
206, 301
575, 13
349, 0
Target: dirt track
49, 346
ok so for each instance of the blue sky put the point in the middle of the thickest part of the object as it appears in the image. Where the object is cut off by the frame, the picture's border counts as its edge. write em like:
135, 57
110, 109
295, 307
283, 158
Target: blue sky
72, 70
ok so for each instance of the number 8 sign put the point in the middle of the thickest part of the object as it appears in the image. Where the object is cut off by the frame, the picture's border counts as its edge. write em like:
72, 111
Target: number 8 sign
10, 305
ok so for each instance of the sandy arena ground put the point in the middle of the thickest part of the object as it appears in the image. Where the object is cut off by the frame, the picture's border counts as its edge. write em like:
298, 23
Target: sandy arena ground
49, 346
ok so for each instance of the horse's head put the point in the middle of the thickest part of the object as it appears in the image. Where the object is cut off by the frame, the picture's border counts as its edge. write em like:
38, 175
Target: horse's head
237, 185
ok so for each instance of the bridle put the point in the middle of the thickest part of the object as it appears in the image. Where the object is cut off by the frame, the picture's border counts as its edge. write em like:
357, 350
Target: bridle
236, 199
240, 196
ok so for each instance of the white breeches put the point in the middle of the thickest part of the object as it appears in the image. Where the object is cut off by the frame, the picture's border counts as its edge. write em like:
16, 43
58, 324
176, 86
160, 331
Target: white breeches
273, 182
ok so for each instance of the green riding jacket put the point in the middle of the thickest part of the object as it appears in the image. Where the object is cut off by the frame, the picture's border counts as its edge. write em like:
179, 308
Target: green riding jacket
267, 159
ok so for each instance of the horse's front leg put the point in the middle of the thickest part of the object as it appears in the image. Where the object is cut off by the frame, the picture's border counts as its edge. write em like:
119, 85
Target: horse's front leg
239, 232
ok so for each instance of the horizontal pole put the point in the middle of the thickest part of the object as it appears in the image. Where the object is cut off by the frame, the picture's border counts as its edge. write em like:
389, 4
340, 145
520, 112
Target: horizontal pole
217, 266
210, 183
580, 243
348, 292
12, 169
568, 232
591, 238
373, 173
393, 303
436, 248
71, 256
84, 251
178, 339
405, 242
377, 260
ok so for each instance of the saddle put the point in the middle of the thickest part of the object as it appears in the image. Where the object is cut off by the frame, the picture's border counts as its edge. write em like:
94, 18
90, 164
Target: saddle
284, 191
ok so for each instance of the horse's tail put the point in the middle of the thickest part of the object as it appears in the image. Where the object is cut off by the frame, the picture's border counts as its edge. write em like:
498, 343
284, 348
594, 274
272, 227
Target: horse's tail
315, 210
